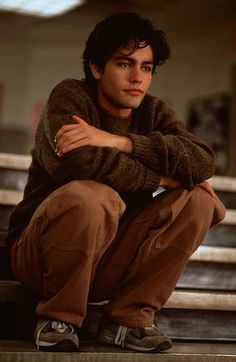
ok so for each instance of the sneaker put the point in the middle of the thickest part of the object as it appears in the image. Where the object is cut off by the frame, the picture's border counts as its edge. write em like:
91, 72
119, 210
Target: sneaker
144, 339
53, 335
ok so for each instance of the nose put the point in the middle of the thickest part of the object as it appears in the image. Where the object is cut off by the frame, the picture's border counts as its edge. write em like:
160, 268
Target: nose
136, 75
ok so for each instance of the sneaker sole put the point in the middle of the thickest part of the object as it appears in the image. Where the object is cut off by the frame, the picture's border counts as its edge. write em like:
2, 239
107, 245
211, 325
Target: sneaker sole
63, 346
160, 348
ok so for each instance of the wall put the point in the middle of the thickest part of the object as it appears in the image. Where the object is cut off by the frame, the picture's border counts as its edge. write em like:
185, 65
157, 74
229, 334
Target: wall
203, 51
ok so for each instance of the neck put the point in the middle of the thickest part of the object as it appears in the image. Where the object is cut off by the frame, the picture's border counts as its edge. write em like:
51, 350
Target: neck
121, 113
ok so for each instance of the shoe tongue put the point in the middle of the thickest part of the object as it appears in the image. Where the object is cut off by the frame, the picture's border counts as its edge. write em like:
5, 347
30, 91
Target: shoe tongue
138, 332
59, 327
148, 328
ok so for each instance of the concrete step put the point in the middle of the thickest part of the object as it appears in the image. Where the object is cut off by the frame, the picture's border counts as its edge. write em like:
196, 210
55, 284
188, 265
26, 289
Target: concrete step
223, 183
10, 197
215, 254
198, 324
227, 198
12, 179
14, 161
230, 217
221, 235
187, 299
17, 351
208, 276
5, 212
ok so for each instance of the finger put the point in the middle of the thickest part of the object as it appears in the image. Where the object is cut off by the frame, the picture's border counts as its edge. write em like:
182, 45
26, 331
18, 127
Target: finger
206, 186
63, 130
72, 146
68, 138
78, 120
75, 145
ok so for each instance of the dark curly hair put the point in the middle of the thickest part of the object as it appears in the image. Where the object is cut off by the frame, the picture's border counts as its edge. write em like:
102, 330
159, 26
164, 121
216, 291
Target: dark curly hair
120, 30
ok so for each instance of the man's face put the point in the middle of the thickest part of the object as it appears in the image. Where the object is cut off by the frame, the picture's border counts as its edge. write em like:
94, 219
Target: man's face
125, 80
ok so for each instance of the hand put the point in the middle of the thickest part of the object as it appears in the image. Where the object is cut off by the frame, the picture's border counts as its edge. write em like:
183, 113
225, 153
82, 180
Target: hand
80, 134
169, 182
206, 186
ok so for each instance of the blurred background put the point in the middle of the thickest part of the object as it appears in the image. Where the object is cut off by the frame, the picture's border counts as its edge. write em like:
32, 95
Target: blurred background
199, 80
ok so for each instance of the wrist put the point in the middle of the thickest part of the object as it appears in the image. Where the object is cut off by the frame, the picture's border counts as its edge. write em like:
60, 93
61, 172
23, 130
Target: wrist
124, 144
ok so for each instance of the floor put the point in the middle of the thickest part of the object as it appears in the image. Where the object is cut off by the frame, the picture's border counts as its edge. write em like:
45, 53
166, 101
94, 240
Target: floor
178, 347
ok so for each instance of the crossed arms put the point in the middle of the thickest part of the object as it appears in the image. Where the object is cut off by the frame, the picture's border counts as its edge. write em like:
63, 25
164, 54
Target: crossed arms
171, 157
80, 133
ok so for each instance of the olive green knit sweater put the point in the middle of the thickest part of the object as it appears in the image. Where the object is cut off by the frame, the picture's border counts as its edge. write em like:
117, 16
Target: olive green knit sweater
162, 147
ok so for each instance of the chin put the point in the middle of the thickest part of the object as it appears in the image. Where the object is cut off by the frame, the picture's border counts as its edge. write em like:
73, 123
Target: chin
135, 106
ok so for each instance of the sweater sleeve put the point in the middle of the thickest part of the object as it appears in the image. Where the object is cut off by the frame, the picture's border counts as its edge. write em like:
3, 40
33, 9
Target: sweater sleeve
103, 164
170, 150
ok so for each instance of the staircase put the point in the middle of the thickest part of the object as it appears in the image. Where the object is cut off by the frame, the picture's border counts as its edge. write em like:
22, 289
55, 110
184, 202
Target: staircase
200, 316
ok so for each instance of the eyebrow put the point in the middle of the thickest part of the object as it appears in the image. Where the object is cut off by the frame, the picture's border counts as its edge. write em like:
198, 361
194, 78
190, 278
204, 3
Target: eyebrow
130, 59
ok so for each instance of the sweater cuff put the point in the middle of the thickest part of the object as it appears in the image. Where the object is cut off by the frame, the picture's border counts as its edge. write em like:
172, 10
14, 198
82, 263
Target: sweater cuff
152, 181
141, 146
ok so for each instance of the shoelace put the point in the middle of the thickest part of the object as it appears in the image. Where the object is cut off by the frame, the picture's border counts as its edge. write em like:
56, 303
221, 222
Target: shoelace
59, 327
120, 336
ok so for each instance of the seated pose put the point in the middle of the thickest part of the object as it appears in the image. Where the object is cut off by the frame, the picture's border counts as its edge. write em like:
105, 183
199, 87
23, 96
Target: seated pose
94, 225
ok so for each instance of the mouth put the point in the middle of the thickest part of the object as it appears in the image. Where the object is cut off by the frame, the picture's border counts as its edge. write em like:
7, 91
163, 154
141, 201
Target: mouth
135, 91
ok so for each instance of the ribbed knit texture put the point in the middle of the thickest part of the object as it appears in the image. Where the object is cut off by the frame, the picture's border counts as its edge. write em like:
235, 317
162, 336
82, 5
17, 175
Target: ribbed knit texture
162, 147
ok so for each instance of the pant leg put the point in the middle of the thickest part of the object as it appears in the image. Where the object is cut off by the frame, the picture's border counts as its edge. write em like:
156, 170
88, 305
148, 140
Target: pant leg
141, 268
61, 246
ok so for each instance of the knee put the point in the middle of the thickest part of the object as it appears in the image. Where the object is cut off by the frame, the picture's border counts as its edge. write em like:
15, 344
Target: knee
87, 196
206, 206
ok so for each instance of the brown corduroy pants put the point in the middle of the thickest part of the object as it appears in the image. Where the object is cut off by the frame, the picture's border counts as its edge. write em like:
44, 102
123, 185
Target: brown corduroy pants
75, 251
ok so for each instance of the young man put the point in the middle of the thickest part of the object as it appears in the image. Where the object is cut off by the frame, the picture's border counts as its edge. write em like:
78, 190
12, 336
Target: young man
89, 228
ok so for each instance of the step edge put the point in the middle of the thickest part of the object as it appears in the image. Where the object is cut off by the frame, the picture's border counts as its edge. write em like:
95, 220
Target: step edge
10, 197
15, 161
202, 300
215, 254
223, 183
230, 217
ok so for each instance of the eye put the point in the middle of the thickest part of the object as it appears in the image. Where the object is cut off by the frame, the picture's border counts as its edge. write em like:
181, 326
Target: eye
124, 65
147, 68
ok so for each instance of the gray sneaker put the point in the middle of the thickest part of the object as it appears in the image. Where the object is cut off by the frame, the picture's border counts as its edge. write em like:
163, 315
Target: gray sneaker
145, 339
53, 335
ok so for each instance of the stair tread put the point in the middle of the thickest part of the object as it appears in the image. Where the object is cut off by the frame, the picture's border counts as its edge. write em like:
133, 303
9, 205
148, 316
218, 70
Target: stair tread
197, 324
223, 183
14, 161
92, 351
215, 254
221, 235
97, 348
210, 300
208, 276
10, 197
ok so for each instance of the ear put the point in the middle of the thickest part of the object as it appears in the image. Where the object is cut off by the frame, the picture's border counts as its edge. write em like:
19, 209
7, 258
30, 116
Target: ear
97, 73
